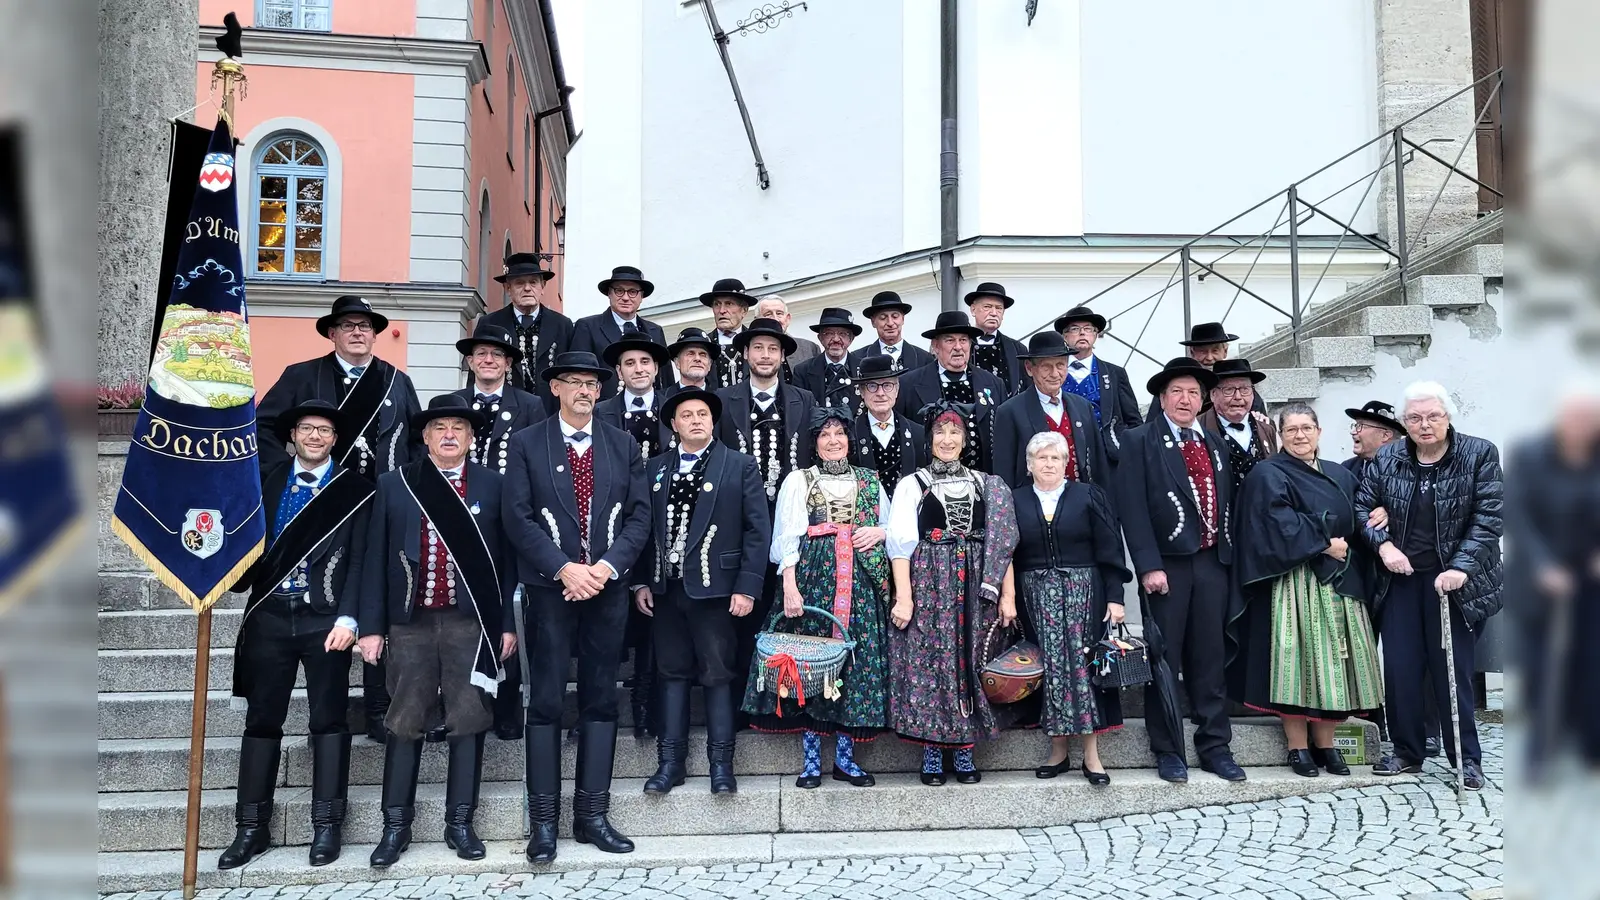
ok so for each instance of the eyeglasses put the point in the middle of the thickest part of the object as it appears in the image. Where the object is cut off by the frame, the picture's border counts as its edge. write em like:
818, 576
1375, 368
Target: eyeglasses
494, 353
1295, 430
626, 292
355, 326
322, 431
1080, 329
587, 384
1237, 391
1430, 419
880, 387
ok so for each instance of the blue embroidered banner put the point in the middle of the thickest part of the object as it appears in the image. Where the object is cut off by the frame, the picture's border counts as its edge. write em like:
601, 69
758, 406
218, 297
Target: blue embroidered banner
190, 503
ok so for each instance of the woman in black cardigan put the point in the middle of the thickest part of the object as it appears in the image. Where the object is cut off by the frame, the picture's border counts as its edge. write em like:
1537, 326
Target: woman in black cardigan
1069, 570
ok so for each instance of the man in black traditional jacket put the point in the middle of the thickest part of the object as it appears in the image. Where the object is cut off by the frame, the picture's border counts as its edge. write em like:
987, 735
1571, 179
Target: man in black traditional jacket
539, 333
1104, 384
302, 610
1208, 345
1248, 438
827, 375
1045, 406
1173, 491
691, 355
578, 516
378, 402
891, 445
701, 572
436, 599
625, 291
992, 351
887, 313
728, 303
952, 377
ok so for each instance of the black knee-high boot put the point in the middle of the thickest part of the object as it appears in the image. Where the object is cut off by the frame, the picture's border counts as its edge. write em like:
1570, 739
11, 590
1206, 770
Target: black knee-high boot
401, 759
672, 741
258, 774
597, 746
542, 757
645, 692
461, 796
719, 738
330, 783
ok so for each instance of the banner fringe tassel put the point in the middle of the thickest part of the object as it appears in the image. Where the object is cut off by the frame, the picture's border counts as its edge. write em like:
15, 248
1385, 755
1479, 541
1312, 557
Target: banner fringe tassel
165, 576
46, 561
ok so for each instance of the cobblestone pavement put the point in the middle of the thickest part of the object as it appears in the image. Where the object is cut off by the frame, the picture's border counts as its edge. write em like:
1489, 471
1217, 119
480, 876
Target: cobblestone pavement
1402, 840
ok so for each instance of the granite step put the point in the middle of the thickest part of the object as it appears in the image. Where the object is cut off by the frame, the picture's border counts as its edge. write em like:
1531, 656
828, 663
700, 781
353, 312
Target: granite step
165, 629
122, 671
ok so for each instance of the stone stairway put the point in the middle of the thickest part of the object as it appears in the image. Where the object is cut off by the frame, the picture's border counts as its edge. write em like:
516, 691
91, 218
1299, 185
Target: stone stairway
146, 675
1455, 277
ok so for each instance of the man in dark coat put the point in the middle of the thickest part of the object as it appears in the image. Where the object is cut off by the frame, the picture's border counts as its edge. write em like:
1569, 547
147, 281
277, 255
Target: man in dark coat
728, 303
952, 377
702, 571
1104, 384
1441, 493
827, 375
436, 598
1044, 406
1173, 496
1372, 426
1208, 345
304, 600
992, 351
493, 355
578, 516
691, 356
1250, 438
378, 402
625, 290
894, 446
539, 333
887, 313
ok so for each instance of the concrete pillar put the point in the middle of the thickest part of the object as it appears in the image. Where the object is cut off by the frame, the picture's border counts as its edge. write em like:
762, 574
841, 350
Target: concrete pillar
1424, 54
147, 75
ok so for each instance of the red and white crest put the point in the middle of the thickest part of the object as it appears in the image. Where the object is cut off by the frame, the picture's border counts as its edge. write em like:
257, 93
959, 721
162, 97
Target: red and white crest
202, 532
216, 173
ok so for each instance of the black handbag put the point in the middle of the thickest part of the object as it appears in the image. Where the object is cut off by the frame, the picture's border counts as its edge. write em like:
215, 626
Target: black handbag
1118, 661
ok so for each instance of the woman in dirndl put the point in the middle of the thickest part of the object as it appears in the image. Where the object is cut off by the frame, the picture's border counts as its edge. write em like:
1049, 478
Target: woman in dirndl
827, 542
951, 533
1300, 638
1070, 572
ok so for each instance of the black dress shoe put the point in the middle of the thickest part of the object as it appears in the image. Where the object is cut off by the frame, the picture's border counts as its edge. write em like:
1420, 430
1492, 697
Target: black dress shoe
1098, 779
809, 781
1223, 766
1303, 764
436, 735
1395, 765
865, 779
1172, 768
1051, 770
1472, 776
1331, 759
933, 779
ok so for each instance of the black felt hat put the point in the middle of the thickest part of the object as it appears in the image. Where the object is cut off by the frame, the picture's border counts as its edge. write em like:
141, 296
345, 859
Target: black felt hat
1081, 314
764, 327
728, 287
1238, 367
490, 335
669, 407
952, 321
518, 265
1178, 368
577, 361
1046, 345
691, 337
834, 317
877, 367
627, 273
448, 406
346, 305
886, 301
1208, 333
1378, 413
283, 426
990, 289
637, 340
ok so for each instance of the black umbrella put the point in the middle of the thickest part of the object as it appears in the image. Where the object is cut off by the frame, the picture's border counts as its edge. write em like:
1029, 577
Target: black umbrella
1161, 674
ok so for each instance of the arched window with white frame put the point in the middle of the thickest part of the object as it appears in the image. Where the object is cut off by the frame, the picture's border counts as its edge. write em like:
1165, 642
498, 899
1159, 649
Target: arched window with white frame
289, 209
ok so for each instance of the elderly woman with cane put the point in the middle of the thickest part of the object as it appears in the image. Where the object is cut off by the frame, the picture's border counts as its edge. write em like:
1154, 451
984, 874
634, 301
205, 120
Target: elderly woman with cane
1438, 539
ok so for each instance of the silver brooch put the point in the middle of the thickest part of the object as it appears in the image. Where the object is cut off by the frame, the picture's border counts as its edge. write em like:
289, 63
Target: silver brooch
476, 508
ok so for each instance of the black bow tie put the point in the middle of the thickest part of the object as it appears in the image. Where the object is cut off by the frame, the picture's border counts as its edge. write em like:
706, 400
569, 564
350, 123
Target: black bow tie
763, 396
638, 402
1187, 434
580, 436
1236, 426
307, 477
487, 399
1078, 364
955, 377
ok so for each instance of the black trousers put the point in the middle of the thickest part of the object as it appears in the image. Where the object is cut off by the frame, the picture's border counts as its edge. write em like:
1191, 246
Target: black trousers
695, 639
600, 625
275, 642
747, 627
1192, 617
1413, 646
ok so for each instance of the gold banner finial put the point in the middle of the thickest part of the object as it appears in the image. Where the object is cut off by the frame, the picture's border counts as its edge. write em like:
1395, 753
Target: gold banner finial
229, 75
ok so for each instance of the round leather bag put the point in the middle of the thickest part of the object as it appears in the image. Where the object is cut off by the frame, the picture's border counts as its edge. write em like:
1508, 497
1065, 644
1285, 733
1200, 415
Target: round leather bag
1014, 673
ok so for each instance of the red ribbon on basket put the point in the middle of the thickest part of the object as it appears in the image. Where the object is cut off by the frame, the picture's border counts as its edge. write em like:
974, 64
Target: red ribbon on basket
787, 670
844, 569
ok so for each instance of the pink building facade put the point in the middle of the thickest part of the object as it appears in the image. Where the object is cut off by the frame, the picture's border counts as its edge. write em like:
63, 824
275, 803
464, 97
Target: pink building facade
392, 149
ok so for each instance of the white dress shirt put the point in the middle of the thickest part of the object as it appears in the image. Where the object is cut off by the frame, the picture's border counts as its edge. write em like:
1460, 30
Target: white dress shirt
567, 432
882, 435
531, 318
628, 404
346, 365
1077, 374
1053, 411
1244, 437
622, 324
686, 465
1049, 500
771, 392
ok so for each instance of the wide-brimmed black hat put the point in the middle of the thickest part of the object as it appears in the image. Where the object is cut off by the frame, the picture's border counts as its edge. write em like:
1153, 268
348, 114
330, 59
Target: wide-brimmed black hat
1046, 345
952, 321
283, 426
990, 289
728, 287
577, 361
1378, 413
767, 327
1238, 367
349, 303
1208, 333
519, 265
878, 367
834, 317
1177, 368
448, 406
669, 407
1081, 314
886, 301
691, 337
637, 340
628, 273
490, 335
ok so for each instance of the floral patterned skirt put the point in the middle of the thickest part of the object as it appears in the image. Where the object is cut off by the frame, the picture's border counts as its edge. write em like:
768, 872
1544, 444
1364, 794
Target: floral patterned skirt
1057, 603
931, 678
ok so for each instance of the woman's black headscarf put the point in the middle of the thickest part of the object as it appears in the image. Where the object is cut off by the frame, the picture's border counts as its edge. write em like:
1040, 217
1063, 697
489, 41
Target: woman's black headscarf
822, 415
942, 408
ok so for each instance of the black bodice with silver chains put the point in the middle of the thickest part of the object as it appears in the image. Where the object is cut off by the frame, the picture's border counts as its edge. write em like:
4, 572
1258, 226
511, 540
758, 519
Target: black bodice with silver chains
487, 449
991, 359
727, 366
767, 445
683, 493
641, 423
886, 457
837, 390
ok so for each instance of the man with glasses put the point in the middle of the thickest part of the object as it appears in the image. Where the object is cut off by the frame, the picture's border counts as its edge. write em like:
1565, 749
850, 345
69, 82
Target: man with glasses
377, 401
625, 291
776, 308
1248, 439
578, 515
538, 333
893, 446
1441, 495
1371, 427
302, 611
1208, 345
1104, 384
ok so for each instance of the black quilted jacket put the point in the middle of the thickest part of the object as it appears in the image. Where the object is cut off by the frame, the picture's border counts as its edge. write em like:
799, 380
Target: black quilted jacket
1467, 499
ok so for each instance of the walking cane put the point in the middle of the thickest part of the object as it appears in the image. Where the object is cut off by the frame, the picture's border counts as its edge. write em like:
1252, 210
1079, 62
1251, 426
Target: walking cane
1448, 640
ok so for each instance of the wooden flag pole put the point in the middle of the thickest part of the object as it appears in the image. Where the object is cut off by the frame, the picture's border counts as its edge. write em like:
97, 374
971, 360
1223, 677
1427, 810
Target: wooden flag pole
5, 795
197, 753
